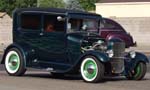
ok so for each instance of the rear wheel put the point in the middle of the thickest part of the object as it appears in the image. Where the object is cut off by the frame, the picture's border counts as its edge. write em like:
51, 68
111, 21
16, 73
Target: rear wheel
92, 70
14, 63
139, 72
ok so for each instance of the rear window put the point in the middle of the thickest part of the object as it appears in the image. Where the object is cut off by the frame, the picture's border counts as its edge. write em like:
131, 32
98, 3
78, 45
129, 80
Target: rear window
110, 24
30, 21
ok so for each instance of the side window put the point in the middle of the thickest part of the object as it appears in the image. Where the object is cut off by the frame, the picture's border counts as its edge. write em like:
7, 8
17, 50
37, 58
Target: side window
75, 24
30, 21
51, 24
109, 24
91, 25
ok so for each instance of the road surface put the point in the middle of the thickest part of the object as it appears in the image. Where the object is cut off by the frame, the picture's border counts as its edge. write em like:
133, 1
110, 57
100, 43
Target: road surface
40, 80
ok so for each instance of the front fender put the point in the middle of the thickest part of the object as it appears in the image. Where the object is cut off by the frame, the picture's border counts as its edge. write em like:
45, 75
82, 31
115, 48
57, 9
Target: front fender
141, 57
99, 55
132, 62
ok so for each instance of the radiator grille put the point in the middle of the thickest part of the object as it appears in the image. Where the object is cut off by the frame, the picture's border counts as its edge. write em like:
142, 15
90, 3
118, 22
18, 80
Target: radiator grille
117, 61
119, 49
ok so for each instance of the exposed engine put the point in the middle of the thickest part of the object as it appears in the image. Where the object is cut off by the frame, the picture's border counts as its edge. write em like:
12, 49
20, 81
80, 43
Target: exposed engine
114, 50
98, 45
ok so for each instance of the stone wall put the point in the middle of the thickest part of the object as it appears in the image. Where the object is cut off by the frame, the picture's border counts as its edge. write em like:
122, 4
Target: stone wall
5, 31
138, 27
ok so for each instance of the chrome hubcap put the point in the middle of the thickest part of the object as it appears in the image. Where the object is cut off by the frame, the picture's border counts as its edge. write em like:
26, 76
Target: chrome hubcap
89, 68
13, 62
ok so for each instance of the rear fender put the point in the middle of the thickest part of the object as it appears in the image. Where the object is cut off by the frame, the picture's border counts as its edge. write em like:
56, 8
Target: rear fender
26, 52
114, 37
8, 48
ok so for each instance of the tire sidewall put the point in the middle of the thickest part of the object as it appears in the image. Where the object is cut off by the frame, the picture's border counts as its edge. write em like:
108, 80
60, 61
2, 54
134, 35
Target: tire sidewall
139, 76
142, 72
99, 66
21, 68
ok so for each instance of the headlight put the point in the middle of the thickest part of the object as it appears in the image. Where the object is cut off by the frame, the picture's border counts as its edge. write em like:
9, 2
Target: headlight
132, 54
110, 53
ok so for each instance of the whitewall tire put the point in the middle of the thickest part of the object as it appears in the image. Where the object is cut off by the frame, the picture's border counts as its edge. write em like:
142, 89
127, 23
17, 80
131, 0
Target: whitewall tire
14, 63
92, 70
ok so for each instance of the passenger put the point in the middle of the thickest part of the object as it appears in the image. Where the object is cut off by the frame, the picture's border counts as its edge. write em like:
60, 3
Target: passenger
49, 27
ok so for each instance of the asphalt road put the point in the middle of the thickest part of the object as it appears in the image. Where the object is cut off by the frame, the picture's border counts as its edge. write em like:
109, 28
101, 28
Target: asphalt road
41, 80
37, 80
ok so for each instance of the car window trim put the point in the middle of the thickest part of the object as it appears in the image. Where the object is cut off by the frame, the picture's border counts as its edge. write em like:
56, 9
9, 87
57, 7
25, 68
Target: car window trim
29, 30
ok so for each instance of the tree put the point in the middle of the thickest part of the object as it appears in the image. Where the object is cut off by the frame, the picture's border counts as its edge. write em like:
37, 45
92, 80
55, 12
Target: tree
73, 5
51, 3
6, 6
88, 5
9, 5
26, 3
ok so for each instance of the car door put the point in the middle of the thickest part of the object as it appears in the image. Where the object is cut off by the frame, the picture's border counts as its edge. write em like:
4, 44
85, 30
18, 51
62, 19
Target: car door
53, 40
28, 32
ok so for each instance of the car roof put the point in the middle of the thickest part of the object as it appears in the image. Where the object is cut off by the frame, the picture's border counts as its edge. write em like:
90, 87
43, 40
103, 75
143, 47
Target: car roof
55, 10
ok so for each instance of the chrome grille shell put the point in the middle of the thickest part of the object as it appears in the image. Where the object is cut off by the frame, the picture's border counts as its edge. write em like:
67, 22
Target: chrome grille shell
117, 61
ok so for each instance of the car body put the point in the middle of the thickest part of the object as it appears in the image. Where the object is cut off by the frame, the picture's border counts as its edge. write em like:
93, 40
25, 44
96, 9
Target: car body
110, 29
70, 45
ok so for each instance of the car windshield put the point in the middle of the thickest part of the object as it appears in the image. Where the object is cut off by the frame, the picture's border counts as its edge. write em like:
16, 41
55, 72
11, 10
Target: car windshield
90, 25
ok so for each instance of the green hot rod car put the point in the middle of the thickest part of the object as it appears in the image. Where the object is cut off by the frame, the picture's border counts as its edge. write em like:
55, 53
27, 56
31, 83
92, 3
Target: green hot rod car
67, 42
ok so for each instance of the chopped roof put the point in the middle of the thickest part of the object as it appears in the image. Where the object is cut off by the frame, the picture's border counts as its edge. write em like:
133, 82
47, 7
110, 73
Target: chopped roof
115, 1
55, 10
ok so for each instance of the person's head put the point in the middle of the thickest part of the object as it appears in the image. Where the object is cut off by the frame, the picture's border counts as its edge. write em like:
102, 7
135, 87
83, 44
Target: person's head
49, 27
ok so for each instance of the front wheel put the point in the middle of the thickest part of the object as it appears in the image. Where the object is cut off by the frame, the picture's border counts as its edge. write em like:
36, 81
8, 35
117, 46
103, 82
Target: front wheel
92, 70
14, 62
139, 72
